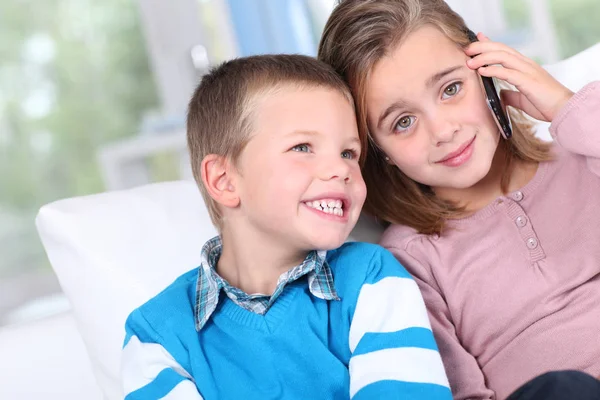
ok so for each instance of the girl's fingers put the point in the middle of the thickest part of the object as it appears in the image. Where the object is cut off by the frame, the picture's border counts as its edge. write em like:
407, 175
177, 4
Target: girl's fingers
540, 95
482, 38
478, 48
512, 76
507, 60
519, 101
484, 46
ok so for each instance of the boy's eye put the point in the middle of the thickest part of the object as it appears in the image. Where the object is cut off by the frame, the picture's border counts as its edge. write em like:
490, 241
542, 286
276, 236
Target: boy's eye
452, 89
349, 154
405, 122
301, 148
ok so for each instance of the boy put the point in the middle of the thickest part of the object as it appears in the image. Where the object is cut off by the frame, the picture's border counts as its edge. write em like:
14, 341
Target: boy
276, 309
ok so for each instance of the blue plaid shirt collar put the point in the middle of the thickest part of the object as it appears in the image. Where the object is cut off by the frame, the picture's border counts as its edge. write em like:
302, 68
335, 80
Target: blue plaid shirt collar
208, 288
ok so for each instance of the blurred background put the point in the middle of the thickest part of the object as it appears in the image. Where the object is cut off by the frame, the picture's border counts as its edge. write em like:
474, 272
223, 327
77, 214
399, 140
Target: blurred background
93, 96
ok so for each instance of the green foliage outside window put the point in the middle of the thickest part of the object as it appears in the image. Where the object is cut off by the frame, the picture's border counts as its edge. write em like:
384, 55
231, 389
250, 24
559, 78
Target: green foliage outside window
577, 22
74, 75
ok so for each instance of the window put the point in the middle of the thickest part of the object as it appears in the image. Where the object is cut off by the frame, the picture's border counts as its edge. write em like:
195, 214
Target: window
74, 76
545, 30
574, 25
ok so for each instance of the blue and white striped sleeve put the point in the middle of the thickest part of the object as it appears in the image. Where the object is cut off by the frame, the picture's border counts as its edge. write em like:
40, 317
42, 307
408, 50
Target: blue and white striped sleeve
148, 371
394, 353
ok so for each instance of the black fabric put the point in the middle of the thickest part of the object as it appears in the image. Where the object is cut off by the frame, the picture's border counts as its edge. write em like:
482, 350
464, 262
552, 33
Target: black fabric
559, 385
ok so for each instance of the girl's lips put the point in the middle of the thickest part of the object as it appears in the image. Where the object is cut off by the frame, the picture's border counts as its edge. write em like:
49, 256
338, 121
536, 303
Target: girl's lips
460, 156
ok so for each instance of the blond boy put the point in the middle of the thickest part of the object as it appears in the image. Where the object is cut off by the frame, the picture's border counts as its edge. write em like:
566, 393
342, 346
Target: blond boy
277, 309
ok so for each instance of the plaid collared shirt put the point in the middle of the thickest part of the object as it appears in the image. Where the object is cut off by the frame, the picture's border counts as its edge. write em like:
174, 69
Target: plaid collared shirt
208, 289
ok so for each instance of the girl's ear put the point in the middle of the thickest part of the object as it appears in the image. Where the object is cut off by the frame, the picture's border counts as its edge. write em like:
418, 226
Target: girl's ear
219, 180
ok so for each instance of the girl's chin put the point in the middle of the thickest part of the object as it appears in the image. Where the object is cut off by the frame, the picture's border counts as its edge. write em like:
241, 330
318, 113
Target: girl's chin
454, 183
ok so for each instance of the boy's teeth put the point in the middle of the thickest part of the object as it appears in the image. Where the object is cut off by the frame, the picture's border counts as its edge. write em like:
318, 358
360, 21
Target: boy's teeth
327, 206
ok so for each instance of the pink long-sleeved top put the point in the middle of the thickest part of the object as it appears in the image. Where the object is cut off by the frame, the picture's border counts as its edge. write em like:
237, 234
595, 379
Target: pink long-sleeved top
513, 290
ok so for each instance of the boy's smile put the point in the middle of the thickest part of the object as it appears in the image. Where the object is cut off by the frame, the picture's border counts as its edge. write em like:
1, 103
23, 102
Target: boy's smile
335, 206
299, 180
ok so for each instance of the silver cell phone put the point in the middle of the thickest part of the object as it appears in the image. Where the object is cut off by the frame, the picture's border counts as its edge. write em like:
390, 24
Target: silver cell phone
492, 95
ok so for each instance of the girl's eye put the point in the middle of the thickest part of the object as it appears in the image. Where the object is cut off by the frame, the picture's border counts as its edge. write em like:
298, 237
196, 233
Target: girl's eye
452, 90
349, 154
405, 122
301, 148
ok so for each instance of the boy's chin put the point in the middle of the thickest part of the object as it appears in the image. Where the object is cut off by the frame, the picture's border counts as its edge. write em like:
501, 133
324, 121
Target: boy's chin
329, 243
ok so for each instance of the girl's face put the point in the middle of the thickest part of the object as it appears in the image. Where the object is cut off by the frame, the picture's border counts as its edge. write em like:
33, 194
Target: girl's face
427, 112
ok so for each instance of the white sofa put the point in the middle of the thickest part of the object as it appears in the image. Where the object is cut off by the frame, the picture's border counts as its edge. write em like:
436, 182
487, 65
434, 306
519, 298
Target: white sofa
111, 252
46, 359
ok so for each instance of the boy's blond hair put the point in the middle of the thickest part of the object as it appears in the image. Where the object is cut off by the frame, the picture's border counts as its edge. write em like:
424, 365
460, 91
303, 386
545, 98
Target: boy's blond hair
357, 35
220, 113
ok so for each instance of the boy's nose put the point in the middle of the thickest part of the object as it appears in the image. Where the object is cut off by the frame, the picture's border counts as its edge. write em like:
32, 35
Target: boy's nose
335, 168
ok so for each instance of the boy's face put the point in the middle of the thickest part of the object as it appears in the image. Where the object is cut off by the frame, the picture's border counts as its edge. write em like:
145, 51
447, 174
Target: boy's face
299, 180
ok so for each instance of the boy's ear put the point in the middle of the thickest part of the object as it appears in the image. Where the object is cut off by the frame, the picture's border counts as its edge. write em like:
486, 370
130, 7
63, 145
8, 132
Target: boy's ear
218, 179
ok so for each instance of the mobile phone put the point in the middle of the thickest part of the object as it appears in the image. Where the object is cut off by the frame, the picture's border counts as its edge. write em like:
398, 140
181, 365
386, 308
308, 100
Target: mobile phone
492, 95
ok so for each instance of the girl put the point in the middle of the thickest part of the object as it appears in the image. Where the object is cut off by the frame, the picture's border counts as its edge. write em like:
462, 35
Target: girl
502, 235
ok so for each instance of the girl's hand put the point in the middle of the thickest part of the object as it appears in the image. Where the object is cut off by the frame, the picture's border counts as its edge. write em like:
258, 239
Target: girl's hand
540, 95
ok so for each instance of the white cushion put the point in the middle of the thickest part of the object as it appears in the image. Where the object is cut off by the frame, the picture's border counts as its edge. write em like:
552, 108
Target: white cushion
577, 71
574, 72
113, 251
